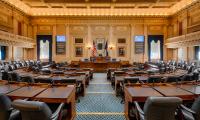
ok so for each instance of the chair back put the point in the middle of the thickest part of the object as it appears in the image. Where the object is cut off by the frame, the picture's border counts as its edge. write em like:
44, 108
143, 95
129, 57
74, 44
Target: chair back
186, 77
171, 79
15, 77
196, 107
66, 81
131, 80
161, 108
11, 67
119, 72
28, 79
43, 80
154, 79
33, 110
5, 105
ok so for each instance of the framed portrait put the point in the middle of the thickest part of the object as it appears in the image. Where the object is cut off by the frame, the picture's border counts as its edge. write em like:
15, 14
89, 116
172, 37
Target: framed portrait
121, 40
121, 51
78, 51
78, 40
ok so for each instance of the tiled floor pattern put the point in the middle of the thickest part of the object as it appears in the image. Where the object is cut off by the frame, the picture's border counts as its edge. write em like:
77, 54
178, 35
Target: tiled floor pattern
100, 102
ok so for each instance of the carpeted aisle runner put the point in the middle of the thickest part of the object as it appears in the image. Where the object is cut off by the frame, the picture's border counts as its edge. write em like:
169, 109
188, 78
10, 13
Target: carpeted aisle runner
100, 102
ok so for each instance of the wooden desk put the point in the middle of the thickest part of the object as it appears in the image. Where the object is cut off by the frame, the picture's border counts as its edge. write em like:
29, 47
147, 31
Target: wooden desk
137, 93
26, 92
195, 89
119, 79
101, 66
59, 94
81, 79
4, 89
140, 94
171, 91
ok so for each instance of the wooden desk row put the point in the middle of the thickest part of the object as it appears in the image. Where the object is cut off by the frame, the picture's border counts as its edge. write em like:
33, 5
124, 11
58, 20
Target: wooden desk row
188, 92
142, 78
57, 94
83, 79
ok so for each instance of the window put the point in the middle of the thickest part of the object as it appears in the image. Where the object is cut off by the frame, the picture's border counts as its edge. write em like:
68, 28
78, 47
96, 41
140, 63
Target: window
180, 54
197, 52
44, 49
199, 55
2, 52
155, 50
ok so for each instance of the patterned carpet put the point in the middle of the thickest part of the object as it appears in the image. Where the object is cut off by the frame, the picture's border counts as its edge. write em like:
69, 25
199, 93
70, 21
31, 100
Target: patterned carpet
100, 102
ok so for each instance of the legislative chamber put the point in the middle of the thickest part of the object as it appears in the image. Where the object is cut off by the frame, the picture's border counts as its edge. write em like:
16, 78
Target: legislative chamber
99, 59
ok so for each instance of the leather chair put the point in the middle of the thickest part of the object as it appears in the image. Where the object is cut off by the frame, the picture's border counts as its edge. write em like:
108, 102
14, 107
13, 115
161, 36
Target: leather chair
45, 71
195, 76
172, 79
154, 79
6, 111
15, 77
58, 72
131, 80
158, 108
11, 67
5, 70
192, 113
34, 110
43, 80
118, 73
187, 77
17, 66
27, 79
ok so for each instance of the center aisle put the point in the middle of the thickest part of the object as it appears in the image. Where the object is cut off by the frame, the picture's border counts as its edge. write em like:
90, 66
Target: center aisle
100, 102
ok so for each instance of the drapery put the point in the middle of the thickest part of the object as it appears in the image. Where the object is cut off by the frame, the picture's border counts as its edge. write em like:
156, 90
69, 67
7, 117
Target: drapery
155, 47
3, 52
44, 47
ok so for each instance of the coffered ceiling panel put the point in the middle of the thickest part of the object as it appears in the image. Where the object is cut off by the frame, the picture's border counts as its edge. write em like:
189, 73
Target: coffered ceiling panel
101, 7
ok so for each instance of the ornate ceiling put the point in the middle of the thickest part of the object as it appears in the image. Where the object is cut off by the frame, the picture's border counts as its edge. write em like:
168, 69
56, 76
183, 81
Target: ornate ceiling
100, 7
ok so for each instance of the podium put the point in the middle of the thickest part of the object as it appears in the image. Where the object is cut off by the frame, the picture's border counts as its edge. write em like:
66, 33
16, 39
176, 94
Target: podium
100, 64
100, 59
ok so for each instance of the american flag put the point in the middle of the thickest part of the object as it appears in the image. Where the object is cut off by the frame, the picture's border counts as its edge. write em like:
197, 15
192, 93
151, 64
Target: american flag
106, 48
94, 50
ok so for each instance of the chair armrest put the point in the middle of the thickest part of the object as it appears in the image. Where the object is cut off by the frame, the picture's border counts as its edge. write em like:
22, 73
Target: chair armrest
78, 85
57, 112
138, 108
187, 109
121, 84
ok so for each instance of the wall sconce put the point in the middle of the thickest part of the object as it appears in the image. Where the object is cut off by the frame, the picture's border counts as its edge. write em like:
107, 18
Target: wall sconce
110, 47
88, 47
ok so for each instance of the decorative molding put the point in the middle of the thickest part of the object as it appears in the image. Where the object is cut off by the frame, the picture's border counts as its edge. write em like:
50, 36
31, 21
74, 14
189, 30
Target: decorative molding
9, 39
100, 12
191, 39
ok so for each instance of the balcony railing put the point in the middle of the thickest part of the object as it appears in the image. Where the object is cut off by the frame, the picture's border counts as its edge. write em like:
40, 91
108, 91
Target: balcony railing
16, 40
188, 39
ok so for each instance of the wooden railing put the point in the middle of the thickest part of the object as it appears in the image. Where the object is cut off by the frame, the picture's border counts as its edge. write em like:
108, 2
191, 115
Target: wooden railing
16, 40
188, 39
